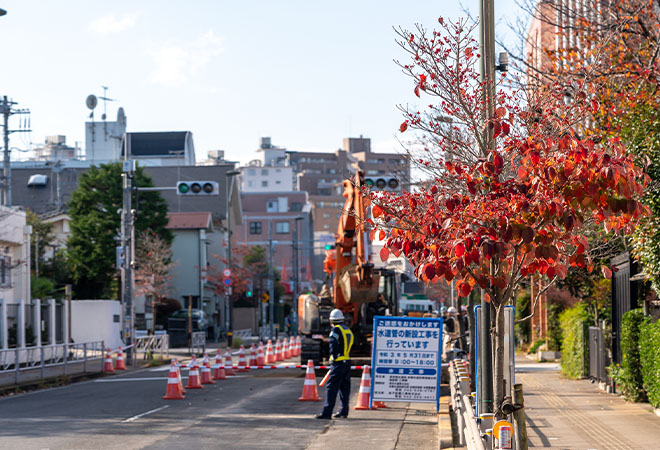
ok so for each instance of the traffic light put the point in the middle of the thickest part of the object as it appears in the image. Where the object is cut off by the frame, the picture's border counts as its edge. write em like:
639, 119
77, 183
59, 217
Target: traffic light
197, 188
388, 183
248, 293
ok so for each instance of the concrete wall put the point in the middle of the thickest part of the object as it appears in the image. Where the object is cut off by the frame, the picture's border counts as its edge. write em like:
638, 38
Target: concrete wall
94, 320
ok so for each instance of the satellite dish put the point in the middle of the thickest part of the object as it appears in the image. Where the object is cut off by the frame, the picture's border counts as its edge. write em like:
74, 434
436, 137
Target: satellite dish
91, 101
121, 116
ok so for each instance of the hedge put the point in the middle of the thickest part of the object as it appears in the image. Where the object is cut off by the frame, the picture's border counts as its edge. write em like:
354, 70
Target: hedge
649, 343
573, 348
628, 375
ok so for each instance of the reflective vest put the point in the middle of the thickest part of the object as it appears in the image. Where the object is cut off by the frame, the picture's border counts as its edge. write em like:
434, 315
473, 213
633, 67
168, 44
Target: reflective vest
347, 336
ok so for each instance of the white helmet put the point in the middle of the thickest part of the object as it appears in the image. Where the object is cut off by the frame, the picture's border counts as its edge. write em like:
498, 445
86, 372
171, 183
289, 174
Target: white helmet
336, 316
451, 310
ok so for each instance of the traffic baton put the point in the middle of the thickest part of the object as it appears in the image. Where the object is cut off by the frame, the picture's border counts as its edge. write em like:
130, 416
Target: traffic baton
325, 378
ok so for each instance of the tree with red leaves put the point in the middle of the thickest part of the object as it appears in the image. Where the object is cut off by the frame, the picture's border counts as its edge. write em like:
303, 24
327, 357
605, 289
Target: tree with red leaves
489, 219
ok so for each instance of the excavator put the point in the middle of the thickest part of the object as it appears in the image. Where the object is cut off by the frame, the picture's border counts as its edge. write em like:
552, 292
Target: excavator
352, 284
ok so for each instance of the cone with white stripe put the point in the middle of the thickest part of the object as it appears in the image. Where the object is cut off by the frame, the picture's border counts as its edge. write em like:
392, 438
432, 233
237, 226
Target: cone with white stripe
178, 375
298, 346
310, 393
365, 389
193, 378
193, 362
242, 362
219, 367
253, 356
292, 347
119, 362
229, 369
278, 351
174, 390
107, 364
206, 371
286, 354
270, 356
261, 360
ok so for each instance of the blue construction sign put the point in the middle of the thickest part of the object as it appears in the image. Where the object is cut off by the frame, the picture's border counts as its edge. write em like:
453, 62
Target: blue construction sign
406, 359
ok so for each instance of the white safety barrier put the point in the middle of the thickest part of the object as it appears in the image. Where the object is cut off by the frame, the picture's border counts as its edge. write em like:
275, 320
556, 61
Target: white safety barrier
151, 345
469, 434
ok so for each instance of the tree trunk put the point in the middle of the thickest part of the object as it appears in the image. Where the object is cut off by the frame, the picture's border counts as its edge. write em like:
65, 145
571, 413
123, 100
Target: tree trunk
473, 334
154, 308
498, 363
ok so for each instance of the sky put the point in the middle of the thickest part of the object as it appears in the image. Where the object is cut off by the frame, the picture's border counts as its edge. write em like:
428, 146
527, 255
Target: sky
306, 73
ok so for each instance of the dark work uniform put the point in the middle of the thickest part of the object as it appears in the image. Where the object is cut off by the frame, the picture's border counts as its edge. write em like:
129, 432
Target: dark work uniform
341, 341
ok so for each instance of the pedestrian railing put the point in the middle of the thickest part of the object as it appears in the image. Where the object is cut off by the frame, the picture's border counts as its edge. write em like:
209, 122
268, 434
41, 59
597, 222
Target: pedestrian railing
198, 342
153, 344
30, 360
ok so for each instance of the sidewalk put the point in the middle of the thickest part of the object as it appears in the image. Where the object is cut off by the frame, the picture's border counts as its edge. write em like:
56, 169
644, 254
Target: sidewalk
575, 414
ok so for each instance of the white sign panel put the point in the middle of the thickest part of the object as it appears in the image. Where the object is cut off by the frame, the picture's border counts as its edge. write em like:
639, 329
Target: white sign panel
406, 359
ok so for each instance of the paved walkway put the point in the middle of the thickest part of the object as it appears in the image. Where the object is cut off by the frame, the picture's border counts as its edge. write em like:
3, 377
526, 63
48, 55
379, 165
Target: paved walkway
576, 415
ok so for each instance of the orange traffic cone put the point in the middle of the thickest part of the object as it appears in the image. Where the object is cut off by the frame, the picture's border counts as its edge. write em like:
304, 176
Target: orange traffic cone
193, 362
278, 351
365, 389
253, 356
378, 405
219, 367
242, 362
193, 378
178, 374
261, 360
206, 371
174, 390
229, 369
107, 364
292, 347
309, 393
119, 362
298, 346
270, 357
286, 354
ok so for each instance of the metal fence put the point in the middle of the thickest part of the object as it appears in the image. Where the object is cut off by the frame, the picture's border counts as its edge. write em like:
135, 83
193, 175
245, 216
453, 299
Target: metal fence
598, 357
152, 345
26, 364
198, 342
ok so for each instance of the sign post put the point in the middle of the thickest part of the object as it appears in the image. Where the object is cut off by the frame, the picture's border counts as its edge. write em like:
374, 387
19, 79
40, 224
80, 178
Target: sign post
406, 359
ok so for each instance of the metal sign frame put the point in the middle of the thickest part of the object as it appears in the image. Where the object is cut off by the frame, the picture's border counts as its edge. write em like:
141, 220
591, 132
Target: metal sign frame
509, 316
415, 323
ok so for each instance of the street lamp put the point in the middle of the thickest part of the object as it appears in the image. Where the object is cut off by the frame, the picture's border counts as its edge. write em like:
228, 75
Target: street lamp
228, 313
296, 270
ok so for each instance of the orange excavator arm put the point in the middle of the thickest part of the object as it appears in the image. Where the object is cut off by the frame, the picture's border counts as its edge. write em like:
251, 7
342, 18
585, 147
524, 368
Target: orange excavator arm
350, 261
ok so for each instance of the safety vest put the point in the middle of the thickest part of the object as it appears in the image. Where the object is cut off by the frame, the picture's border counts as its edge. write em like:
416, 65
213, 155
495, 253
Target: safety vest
347, 336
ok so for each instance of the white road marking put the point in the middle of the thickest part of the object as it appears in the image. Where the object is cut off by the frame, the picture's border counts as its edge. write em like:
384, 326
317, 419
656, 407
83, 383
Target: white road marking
119, 380
131, 419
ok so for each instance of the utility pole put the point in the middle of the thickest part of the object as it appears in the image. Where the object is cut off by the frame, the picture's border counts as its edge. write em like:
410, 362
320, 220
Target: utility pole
296, 276
128, 250
487, 72
271, 281
6, 107
229, 181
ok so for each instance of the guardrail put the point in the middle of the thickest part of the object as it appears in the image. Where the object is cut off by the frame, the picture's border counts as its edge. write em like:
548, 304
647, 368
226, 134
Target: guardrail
153, 344
40, 360
468, 430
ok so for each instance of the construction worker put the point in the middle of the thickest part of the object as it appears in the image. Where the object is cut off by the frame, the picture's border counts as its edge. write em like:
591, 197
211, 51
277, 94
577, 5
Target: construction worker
450, 330
341, 341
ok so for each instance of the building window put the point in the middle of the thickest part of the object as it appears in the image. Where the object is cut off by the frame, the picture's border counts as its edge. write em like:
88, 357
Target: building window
250, 183
255, 227
281, 227
264, 183
271, 206
296, 206
332, 171
326, 215
252, 172
278, 170
264, 171
326, 226
278, 182
5, 270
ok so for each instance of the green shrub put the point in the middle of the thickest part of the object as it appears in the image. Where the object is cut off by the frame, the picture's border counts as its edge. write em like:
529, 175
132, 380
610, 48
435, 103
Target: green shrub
534, 348
649, 343
554, 327
628, 375
573, 348
236, 342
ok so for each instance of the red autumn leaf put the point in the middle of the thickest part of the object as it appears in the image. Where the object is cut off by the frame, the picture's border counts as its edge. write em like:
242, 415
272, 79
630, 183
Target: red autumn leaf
500, 112
411, 38
384, 254
506, 129
429, 271
381, 235
403, 127
465, 290
417, 90
607, 272
459, 250
376, 211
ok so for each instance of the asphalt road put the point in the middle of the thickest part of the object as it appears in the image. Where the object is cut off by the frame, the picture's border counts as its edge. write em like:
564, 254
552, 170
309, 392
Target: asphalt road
252, 411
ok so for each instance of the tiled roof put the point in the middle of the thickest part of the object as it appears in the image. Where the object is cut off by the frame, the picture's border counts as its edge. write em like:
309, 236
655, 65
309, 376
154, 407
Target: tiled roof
189, 220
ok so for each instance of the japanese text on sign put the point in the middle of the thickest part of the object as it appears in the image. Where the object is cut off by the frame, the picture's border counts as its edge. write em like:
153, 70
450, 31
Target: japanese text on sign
406, 359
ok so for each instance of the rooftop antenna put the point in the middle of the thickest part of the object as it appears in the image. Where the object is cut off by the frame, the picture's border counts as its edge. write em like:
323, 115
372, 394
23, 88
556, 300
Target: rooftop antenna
105, 99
